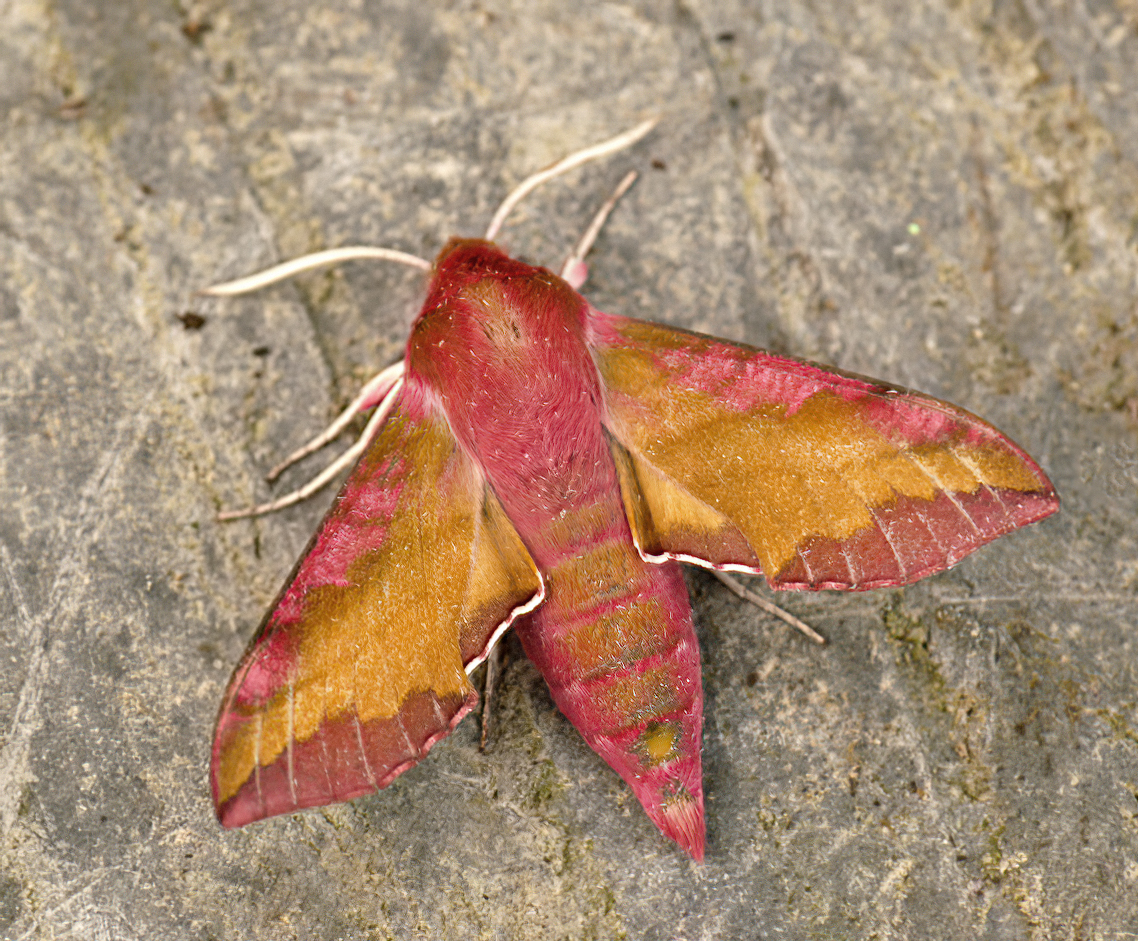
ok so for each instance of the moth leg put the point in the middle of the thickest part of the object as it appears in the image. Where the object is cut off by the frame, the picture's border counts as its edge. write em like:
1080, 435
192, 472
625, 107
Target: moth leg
574, 270
493, 663
344, 461
747, 595
370, 395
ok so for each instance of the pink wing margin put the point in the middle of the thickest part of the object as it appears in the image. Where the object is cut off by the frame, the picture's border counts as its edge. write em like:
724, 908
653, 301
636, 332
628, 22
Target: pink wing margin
733, 458
361, 665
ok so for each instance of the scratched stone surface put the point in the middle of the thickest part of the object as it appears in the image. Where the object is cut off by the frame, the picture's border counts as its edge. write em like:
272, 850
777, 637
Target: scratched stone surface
944, 195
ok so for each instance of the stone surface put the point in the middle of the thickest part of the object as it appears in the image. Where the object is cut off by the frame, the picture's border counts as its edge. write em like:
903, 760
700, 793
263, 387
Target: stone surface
941, 195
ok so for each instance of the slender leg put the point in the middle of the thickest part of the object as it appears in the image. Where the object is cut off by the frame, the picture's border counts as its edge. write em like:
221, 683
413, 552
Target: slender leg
493, 664
345, 460
370, 395
747, 595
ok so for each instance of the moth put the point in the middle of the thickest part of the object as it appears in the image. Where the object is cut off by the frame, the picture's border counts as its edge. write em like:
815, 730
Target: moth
535, 463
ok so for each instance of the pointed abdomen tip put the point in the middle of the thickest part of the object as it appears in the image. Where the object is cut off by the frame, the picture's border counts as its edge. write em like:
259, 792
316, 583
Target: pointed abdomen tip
682, 821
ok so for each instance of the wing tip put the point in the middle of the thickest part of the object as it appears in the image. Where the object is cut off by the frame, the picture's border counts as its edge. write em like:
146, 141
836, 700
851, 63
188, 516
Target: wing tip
991, 513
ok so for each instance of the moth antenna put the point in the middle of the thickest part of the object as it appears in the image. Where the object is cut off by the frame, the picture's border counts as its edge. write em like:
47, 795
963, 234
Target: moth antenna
574, 270
564, 165
747, 595
372, 393
345, 460
331, 256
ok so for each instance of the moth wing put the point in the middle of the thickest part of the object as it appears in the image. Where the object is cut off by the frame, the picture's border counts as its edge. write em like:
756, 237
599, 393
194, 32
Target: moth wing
734, 458
361, 666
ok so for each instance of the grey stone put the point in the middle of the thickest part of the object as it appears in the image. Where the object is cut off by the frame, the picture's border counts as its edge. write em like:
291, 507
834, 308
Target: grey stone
941, 195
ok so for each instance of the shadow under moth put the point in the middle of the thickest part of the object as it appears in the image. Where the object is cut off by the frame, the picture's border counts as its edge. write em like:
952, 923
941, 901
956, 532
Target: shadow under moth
535, 463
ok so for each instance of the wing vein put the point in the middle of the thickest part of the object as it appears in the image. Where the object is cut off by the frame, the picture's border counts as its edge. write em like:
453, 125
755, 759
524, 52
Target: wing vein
805, 564
290, 739
260, 728
943, 488
971, 465
372, 780
854, 578
901, 567
326, 766
411, 749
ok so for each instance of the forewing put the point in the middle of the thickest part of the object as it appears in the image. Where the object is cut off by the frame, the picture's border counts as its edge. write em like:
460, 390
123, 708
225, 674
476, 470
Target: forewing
735, 458
361, 665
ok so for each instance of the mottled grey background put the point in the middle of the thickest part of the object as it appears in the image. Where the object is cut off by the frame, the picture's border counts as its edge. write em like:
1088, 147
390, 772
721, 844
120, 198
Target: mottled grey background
944, 195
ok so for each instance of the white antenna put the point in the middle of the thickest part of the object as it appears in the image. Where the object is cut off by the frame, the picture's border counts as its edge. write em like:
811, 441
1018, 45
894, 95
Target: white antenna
528, 185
